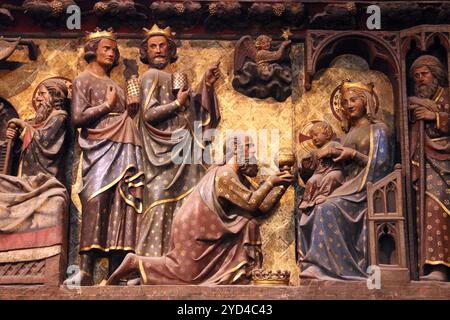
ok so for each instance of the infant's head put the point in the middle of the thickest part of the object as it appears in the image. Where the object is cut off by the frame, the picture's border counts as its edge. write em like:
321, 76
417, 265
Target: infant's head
321, 132
263, 42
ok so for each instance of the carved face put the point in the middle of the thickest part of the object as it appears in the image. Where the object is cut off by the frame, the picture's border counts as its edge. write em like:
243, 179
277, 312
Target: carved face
423, 76
158, 52
319, 137
263, 43
42, 97
425, 84
106, 52
43, 103
354, 105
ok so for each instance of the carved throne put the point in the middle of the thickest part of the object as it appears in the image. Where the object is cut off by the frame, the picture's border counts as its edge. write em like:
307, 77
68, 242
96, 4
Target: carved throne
386, 226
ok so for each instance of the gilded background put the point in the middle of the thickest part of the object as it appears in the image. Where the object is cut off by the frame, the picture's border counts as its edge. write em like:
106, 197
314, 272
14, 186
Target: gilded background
63, 57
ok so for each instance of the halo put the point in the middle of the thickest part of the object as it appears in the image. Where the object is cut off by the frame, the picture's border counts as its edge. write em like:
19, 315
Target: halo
306, 145
67, 81
335, 103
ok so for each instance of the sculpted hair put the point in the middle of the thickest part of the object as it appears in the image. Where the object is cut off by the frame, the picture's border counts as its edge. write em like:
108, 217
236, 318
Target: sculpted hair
172, 51
325, 127
439, 73
260, 40
435, 66
90, 52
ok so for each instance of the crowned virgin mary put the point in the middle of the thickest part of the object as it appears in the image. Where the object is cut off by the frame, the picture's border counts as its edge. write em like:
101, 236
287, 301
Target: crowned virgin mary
333, 234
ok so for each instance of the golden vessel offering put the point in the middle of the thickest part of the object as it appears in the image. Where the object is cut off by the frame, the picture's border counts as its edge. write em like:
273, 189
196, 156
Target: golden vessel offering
286, 158
179, 81
133, 88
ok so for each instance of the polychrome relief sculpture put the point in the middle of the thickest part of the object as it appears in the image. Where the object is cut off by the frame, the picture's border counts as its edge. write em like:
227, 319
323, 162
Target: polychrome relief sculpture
260, 71
332, 230
430, 151
172, 118
215, 237
111, 160
33, 205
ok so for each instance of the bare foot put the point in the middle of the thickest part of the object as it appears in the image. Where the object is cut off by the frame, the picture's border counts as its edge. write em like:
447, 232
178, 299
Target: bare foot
82, 278
128, 266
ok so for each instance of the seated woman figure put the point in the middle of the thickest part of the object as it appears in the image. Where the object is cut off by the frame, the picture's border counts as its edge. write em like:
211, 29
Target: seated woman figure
332, 234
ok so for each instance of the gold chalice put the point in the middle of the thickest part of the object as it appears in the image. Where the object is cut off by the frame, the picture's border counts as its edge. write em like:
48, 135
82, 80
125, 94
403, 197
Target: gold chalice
285, 159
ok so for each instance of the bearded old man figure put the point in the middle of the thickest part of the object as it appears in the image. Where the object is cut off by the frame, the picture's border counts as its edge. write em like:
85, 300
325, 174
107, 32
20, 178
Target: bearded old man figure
111, 159
431, 104
215, 238
33, 205
171, 125
43, 137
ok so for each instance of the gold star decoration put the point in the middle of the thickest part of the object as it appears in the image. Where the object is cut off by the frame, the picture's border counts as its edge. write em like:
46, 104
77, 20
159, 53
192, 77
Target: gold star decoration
286, 34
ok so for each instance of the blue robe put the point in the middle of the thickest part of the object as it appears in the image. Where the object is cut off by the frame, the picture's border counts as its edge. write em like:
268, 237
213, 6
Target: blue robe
333, 234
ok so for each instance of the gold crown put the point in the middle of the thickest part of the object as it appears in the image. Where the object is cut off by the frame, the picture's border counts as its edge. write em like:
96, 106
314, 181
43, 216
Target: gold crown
98, 33
157, 31
269, 277
348, 84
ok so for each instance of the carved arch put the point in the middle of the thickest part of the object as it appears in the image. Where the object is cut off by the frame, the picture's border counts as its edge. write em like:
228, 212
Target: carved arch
380, 50
383, 52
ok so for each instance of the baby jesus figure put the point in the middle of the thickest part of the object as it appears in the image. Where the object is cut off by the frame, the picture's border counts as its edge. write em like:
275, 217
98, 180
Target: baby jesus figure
327, 175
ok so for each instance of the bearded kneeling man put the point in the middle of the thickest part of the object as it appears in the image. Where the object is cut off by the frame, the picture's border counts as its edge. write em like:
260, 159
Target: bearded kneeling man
215, 238
33, 205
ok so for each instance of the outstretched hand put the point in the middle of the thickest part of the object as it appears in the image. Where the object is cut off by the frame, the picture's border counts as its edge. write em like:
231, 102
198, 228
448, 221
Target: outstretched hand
212, 74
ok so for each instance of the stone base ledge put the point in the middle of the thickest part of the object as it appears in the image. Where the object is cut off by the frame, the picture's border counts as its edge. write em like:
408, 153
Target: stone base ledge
308, 290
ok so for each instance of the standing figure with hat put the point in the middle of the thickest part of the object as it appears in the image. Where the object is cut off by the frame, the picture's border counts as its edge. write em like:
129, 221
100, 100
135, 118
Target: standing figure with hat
430, 104
172, 119
111, 159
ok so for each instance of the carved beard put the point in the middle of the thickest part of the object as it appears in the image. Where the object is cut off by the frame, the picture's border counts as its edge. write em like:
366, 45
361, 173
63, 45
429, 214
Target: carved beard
158, 65
426, 90
43, 111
